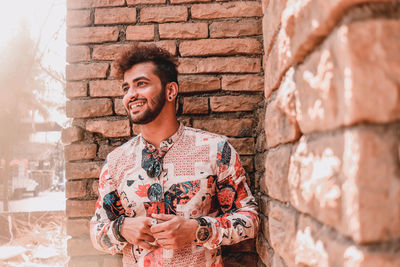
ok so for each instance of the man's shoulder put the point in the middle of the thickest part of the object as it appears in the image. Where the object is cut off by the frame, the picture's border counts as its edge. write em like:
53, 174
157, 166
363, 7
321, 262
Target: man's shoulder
123, 149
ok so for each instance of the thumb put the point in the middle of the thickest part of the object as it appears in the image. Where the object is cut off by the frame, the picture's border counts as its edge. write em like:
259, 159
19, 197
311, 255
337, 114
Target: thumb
163, 217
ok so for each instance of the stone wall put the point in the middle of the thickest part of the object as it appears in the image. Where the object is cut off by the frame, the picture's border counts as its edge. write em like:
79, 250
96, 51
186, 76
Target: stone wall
330, 195
219, 45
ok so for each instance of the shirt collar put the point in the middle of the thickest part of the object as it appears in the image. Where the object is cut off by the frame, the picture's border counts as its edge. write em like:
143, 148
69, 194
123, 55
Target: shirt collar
167, 143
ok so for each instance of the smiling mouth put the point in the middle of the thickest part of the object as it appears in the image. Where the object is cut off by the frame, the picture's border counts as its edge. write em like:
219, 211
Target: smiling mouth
136, 105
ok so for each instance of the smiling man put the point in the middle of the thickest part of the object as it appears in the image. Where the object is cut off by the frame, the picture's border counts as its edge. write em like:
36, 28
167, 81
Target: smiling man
172, 195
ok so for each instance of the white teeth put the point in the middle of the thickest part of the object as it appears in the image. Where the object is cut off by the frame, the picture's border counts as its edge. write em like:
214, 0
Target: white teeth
137, 105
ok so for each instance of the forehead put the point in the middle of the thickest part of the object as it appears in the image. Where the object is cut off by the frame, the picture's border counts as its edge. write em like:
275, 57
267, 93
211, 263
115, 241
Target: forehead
144, 69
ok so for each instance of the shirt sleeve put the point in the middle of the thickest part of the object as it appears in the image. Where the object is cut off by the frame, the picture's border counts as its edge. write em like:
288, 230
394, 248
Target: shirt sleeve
237, 217
108, 209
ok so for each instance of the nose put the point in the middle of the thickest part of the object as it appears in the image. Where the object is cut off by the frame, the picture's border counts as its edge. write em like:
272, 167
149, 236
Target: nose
131, 95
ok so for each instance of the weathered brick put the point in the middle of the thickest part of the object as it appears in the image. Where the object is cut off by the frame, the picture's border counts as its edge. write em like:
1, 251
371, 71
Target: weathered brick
80, 208
280, 123
110, 52
77, 227
145, 2
119, 15
262, 249
231, 127
195, 105
244, 146
75, 189
140, 33
104, 88
78, 4
82, 247
282, 227
78, 18
78, 53
183, 30
226, 10
163, 14
80, 151
235, 28
219, 65
89, 108
243, 83
86, 71
187, 1
248, 164
333, 90
209, 47
95, 188
80, 170
118, 128
234, 103
271, 22
275, 179
92, 35
327, 173
76, 89
198, 83
119, 107
71, 134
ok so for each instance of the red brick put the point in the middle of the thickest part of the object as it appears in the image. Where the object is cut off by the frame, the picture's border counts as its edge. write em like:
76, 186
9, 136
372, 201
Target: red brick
198, 83
119, 15
86, 71
145, 2
211, 47
183, 30
163, 14
80, 151
226, 10
275, 179
118, 128
81, 247
78, 54
95, 188
103, 88
78, 18
282, 225
80, 208
140, 33
195, 105
77, 4
110, 52
248, 164
238, 28
77, 227
119, 107
334, 178
332, 87
76, 89
234, 103
243, 83
231, 127
187, 1
75, 189
104, 150
219, 65
80, 170
89, 108
92, 35
71, 134
244, 146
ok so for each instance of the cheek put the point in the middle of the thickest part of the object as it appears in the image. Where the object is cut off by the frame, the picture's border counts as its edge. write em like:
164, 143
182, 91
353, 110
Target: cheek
125, 101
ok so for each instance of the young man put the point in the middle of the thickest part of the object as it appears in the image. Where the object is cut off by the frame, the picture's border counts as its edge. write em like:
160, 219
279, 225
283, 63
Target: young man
172, 195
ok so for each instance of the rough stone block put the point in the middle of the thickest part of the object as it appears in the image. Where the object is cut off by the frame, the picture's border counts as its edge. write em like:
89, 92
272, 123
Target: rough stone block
140, 33
71, 134
243, 27
227, 10
80, 208
106, 88
219, 65
234, 103
78, 227
119, 107
89, 108
89, 35
163, 14
76, 89
195, 105
78, 18
80, 170
78, 53
76, 72
183, 30
244, 146
75, 189
198, 83
231, 127
119, 15
80, 151
119, 128
249, 83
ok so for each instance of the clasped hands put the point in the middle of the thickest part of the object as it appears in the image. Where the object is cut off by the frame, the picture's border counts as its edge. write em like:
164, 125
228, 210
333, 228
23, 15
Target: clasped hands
171, 231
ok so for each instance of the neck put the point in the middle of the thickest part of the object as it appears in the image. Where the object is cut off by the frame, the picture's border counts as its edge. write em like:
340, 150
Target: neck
164, 126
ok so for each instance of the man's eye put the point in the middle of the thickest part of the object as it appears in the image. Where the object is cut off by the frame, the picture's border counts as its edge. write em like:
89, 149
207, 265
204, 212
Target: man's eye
125, 89
140, 84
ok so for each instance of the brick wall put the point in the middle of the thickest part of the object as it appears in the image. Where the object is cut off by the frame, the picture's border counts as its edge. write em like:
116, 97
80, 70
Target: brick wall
219, 45
330, 195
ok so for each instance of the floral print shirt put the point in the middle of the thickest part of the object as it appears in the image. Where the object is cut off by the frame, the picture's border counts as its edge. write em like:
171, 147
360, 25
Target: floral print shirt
200, 176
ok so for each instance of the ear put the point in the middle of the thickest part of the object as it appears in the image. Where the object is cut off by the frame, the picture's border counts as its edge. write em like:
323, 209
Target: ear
171, 91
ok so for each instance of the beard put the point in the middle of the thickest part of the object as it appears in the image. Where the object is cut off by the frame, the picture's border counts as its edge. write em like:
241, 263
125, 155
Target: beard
151, 113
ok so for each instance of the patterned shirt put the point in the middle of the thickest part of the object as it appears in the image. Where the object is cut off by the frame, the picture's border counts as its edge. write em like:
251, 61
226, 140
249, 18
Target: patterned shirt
200, 176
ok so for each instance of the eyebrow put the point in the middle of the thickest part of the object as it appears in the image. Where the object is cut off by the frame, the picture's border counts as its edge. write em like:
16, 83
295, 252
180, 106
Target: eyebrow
135, 80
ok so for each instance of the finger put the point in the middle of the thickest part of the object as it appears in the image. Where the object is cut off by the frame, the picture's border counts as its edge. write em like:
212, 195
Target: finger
146, 245
148, 238
161, 227
163, 217
164, 242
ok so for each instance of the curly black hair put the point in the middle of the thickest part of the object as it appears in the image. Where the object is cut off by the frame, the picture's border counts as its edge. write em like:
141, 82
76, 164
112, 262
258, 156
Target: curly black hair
166, 64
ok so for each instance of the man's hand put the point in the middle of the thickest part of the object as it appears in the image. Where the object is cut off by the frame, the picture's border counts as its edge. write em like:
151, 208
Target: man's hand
173, 232
137, 232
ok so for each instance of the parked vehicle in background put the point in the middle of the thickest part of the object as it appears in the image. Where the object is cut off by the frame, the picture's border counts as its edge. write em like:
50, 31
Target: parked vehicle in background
21, 183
